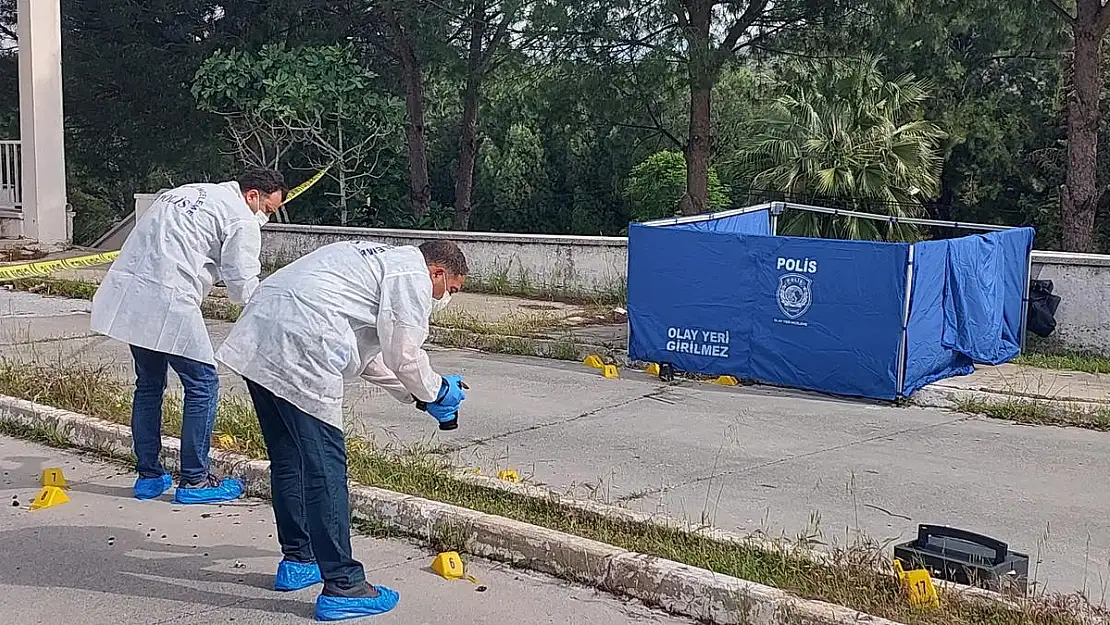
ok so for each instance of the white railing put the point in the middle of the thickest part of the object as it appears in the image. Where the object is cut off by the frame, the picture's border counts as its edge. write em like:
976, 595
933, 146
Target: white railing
11, 174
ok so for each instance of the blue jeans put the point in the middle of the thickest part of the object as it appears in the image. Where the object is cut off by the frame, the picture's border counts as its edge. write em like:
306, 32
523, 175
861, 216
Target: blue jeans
308, 486
202, 391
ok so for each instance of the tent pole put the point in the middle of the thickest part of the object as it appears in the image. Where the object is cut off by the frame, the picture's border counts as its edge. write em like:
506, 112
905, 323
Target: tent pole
1025, 297
904, 343
675, 221
777, 208
906, 220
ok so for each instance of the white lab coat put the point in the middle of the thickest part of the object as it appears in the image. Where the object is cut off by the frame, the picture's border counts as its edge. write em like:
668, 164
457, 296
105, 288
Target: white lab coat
348, 309
190, 238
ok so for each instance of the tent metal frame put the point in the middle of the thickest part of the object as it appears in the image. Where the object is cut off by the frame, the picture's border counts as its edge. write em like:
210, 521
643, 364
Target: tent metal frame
776, 209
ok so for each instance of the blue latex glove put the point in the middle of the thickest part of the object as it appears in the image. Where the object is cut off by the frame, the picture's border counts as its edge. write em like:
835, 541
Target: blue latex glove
451, 393
445, 409
448, 417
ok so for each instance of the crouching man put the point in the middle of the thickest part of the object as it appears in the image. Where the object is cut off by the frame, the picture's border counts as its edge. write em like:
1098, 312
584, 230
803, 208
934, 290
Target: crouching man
191, 237
346, 310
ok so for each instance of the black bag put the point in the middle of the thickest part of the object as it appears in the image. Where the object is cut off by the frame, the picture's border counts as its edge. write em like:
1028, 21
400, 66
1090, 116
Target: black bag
1041, 319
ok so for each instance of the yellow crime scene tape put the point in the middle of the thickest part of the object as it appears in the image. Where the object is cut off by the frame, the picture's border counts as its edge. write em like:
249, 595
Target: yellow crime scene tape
47, 267
301, 188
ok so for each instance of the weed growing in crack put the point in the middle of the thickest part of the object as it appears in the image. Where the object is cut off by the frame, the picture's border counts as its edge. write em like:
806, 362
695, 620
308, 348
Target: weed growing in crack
1038, 412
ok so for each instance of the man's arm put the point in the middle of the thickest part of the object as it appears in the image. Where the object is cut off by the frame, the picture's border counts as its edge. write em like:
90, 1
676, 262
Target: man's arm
239, 264
378, 374
402, 323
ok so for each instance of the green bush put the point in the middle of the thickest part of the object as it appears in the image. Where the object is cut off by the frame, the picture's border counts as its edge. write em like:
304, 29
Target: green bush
656, 186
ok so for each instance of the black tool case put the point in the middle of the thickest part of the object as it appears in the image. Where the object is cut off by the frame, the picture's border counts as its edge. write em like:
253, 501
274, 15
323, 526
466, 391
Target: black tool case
960, 556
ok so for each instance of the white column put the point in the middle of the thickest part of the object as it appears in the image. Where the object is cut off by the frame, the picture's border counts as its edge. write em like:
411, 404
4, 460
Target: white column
41, 122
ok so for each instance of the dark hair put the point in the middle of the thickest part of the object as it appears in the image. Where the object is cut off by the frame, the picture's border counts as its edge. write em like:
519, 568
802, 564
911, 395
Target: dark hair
265, 181
446, 254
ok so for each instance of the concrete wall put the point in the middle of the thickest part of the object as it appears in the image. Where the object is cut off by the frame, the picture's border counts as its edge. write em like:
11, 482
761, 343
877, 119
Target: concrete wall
574, 266
1083, 283
585, 266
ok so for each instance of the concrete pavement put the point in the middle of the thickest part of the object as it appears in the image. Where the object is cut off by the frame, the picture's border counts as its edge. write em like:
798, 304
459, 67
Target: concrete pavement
743, 458
104, 557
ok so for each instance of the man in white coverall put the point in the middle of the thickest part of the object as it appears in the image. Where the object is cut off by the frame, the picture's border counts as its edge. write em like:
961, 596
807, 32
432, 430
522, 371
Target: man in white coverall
188, 239
348, 309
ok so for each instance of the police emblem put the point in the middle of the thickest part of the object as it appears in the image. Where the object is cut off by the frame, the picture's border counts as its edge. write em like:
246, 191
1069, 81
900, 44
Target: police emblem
795, 295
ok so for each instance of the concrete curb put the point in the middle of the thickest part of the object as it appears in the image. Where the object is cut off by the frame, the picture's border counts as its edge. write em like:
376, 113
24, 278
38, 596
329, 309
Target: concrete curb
949, 398
672, 586
760, 541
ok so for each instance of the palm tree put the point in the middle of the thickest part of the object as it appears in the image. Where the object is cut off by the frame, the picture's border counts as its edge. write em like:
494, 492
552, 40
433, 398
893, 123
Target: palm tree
840, 130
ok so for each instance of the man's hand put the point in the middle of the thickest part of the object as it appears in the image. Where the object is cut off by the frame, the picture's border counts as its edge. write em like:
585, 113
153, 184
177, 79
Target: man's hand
445, 409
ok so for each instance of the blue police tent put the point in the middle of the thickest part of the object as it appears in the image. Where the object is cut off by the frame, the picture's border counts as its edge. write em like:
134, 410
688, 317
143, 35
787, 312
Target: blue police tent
720, 294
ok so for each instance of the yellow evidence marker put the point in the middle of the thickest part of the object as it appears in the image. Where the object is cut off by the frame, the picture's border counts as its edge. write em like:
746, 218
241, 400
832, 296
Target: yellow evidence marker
652, 368
448, 565
54, 477
918, 586
726, 380
610, 372
49, 496
509, 475
593, 360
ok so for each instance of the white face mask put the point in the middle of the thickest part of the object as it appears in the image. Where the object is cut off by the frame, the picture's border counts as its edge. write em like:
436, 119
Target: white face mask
439, 304
262, 218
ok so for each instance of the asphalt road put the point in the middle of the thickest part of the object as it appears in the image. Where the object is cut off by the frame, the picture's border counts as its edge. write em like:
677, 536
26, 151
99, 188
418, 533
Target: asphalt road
105, 558
744, 459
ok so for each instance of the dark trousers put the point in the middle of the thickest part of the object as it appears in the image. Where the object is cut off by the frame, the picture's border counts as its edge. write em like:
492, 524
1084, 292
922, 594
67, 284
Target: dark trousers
308, 485
198, 415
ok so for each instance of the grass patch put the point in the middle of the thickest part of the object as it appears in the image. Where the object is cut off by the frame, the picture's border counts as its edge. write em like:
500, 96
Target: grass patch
1039, 412
220, 309
519, 324
1088, 363
73, 289
851, 580
217, 308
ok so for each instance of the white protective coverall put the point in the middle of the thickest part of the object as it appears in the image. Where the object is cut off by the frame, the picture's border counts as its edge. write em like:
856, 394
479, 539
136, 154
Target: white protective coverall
348, 309
188, 239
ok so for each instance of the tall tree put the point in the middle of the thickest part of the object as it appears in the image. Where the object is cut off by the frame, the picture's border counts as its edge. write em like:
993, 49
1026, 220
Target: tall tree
703, 35
412, 36
1080, 194
400, 28
486, 24
320, 97
706, 58
997, 92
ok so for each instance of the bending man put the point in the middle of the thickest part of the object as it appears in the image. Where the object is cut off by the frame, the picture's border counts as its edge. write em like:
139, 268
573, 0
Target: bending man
346, 310
190, 238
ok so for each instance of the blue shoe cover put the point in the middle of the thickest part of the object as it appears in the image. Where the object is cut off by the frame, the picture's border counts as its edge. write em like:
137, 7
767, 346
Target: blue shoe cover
342, 608
229, 489
152, 487
296, 575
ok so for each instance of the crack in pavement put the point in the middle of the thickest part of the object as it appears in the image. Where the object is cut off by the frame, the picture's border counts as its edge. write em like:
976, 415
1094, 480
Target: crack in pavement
539, 426
771, 463
47, 339
887, 512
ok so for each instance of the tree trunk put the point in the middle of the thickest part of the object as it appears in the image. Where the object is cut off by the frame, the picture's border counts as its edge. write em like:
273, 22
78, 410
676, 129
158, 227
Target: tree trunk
696, 200
1080, 192
468, 125
343, 217
342, 196
412, 74
702, 73
468, 157
420, 190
